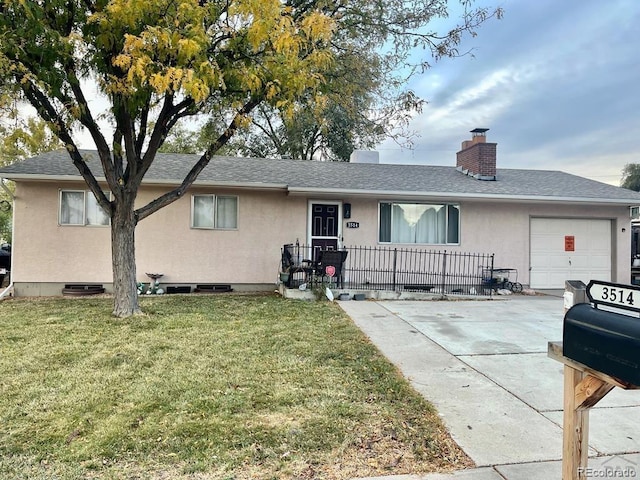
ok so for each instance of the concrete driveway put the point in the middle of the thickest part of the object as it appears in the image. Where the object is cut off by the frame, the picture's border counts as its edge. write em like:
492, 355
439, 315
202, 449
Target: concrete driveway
484, 365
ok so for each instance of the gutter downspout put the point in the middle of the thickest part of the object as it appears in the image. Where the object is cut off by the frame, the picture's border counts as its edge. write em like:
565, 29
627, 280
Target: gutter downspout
7, 291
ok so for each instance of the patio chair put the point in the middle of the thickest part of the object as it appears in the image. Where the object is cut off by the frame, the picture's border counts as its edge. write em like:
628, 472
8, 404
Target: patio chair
335, 259
290, 267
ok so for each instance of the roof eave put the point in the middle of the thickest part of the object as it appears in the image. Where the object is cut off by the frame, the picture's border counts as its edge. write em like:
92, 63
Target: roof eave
222, 184
150, 182
242, 185
378, 194
399, 194
45, 178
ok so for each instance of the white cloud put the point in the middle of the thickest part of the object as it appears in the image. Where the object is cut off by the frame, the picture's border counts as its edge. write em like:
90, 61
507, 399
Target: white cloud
481, 100
556, 82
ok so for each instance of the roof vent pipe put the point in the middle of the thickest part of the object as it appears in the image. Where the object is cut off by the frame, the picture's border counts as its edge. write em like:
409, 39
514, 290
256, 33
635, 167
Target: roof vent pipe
364, 156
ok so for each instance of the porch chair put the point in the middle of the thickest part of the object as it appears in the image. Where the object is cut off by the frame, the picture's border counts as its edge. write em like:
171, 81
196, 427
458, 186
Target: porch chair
290, 267
335, 258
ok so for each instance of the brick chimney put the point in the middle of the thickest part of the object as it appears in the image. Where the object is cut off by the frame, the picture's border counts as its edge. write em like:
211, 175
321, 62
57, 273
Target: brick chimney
477, 158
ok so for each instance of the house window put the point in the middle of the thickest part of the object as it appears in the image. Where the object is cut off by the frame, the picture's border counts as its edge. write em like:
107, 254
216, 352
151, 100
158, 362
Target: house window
214, 211
419, 223
79, 207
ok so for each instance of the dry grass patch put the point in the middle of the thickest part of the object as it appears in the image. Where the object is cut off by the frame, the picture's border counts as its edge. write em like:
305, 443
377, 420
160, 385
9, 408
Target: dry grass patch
204, 387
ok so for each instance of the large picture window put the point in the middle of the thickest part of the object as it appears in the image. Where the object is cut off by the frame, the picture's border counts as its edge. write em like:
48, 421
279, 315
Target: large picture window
79, 207
419, 223
214, 211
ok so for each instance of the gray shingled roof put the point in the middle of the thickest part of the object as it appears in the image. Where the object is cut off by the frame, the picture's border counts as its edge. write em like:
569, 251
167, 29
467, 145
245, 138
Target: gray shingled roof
377, 180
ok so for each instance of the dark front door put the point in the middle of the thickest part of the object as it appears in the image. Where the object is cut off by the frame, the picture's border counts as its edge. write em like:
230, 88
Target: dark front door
325, 226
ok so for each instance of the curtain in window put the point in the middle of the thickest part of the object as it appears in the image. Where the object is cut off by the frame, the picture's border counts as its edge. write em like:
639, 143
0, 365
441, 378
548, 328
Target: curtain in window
403, 223
430, 227
419, 223
72, 208
227, 212
95, 214
203, 211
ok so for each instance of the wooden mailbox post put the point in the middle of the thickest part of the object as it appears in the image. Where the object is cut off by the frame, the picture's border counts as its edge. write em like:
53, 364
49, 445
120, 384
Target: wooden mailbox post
584, 387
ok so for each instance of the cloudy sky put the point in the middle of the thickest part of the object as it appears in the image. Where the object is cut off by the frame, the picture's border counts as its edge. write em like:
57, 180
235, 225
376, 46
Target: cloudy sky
557, 83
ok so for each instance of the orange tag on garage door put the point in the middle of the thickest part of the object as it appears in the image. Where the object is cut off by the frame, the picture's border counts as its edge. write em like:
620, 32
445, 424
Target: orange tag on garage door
569, 243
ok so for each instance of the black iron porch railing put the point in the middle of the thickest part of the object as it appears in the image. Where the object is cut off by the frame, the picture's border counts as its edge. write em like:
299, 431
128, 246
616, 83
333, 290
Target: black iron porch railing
393, 269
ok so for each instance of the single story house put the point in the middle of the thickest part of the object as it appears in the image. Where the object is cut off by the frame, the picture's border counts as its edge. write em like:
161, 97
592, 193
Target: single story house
230, 228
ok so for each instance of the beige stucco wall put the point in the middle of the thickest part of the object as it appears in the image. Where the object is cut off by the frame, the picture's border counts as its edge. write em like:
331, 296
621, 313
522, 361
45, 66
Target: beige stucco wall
45, 252
504, 229
250, 254
508, 232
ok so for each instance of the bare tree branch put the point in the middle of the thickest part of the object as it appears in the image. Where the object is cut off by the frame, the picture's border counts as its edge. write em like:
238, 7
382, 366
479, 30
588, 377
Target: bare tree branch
49, 114
204, 160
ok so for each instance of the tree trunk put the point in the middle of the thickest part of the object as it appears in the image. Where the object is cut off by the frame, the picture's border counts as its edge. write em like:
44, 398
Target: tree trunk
123, 227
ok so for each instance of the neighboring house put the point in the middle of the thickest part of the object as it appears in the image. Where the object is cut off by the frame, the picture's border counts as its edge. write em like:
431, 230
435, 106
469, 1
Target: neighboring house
230, 228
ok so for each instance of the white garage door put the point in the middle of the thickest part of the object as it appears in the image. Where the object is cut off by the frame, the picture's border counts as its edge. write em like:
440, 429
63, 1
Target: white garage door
569, 249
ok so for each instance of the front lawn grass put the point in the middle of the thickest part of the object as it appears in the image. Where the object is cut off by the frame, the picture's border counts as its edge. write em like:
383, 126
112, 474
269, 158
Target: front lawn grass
204, 387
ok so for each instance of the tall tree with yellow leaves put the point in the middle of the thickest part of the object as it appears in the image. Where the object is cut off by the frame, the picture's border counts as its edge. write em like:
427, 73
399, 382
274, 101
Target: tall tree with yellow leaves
160, 61
157, 61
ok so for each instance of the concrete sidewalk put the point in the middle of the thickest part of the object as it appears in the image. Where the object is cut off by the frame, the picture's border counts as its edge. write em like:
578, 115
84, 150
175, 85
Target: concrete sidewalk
484, 366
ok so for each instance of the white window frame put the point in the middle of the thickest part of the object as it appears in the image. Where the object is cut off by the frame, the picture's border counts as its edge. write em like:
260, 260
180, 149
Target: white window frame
446, 228
215, 198
84, 209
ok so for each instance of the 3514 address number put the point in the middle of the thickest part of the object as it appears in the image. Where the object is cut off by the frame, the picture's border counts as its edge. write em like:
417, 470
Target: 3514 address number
614, 295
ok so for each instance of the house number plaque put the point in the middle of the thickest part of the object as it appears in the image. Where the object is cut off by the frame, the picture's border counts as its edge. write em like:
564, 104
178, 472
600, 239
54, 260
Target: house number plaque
353, 224
614, 294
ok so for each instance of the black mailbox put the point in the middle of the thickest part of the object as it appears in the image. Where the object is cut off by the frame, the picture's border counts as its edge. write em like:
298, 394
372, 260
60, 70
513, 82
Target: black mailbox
604, 341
